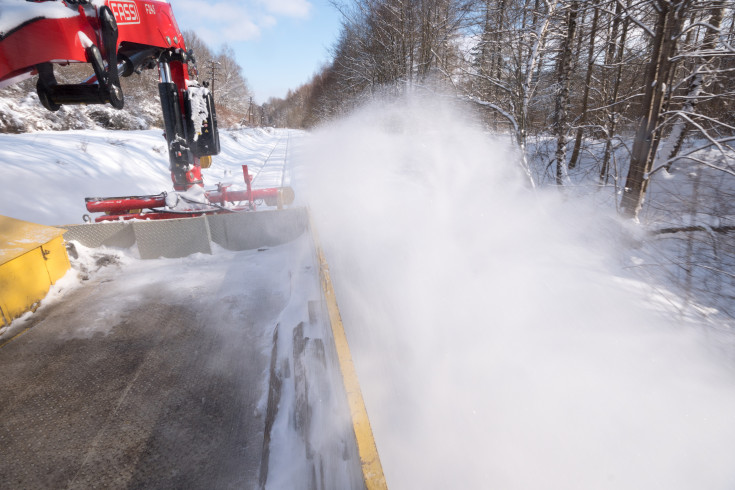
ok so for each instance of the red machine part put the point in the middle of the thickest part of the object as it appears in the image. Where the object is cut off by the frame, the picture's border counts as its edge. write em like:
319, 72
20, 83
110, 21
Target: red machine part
117, 37
119, 208
145, 216
61, 40
125, 204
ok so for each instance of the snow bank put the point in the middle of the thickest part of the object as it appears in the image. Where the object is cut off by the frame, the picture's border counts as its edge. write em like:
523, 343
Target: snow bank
498, 341
47, 175
21, 112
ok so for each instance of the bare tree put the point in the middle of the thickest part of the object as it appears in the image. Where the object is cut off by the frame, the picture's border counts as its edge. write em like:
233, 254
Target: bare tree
665, 33
611, 82
704, 72
232, 93
582, 118
562, 98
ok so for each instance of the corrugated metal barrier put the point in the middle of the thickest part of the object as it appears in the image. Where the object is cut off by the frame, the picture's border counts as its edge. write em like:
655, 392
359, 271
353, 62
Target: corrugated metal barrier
181, 237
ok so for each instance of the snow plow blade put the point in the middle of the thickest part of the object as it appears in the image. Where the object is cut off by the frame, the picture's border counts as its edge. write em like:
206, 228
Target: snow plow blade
233, 373
174, 238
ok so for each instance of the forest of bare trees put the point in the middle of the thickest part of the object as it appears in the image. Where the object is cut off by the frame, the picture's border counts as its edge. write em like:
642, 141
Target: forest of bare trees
227, 81
601, 93
582, 71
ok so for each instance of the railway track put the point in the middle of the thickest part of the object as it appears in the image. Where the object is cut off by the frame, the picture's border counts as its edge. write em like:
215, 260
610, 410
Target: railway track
274, 171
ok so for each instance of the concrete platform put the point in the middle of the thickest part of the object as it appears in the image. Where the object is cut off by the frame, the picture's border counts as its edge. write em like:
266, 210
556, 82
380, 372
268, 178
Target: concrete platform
207, 372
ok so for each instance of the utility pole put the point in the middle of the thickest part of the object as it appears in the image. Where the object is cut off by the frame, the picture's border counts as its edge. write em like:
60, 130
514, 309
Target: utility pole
212, 67
250, 111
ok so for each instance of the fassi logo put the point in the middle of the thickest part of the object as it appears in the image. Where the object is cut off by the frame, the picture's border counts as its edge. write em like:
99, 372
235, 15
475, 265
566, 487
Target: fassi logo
126, 12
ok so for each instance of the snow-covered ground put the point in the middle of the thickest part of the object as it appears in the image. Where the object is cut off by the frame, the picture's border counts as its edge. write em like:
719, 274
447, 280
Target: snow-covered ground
501, 338
691, 194
47, 175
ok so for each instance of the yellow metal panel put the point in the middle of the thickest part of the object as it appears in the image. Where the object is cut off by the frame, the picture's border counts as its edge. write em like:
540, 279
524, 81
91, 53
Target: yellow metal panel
57, 262
24, 281
32, 257
18, 237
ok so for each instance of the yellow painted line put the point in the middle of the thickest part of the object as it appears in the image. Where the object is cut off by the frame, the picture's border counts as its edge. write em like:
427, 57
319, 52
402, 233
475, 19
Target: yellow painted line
372, 470
3, 344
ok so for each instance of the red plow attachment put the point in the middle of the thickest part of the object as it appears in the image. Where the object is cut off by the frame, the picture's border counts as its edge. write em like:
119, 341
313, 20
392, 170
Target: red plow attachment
189, 204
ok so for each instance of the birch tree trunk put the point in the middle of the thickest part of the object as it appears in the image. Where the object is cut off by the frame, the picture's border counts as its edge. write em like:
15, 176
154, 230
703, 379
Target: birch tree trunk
562, 97
614, 67
587, 83
668, 26
674, 141
532, 62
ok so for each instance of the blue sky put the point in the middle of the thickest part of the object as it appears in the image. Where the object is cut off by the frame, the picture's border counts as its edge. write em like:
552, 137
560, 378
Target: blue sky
280, 44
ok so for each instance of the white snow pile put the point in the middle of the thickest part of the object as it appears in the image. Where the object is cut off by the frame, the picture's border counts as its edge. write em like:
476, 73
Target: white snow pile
500, 339
47, 175
21, 112
199, 111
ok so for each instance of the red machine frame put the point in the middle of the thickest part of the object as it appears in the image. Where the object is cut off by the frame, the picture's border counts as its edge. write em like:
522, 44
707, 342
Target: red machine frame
119, 38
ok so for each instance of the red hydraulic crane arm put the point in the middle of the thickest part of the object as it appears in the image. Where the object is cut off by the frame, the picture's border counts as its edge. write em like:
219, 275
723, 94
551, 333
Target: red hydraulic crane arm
61, 31
118, 38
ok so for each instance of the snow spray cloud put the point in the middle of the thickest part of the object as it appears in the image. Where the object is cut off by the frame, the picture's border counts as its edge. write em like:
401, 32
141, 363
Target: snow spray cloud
495, 345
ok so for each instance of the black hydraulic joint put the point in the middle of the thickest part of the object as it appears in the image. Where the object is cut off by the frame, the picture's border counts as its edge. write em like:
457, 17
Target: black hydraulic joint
106, 90
46, 85
108, 28
179, 152
136, 60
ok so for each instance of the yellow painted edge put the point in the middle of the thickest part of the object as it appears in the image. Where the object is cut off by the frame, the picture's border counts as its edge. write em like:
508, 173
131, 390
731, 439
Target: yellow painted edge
3, 344
372, 469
